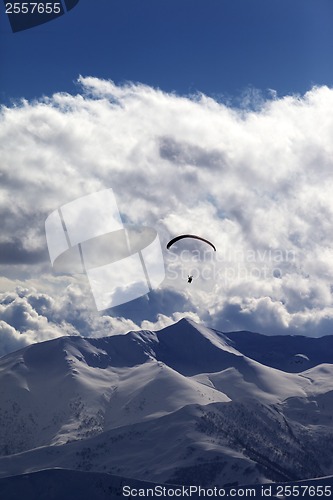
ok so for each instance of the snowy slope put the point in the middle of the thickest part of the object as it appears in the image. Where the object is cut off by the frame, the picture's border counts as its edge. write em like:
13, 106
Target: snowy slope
55, 484
69, 388
181, 405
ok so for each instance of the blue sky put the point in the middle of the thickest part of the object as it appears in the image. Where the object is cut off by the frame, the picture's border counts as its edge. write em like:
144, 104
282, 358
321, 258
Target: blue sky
218, 47
204, 116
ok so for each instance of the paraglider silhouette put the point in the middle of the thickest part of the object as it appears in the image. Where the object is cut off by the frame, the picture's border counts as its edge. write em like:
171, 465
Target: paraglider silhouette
180, 237
193, 236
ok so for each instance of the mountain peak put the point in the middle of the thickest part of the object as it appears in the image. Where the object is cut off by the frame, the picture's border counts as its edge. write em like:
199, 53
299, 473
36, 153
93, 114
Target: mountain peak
186, 320
100, 403
191, 348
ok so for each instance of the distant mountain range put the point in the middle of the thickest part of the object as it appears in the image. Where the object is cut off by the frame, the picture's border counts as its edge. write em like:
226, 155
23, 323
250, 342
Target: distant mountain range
186, 405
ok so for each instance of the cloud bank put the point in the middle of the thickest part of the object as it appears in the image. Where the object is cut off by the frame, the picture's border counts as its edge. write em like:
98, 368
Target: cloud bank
257, 181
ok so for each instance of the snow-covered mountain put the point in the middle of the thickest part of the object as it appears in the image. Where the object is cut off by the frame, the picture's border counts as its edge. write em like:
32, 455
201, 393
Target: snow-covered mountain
291, 353
184, 405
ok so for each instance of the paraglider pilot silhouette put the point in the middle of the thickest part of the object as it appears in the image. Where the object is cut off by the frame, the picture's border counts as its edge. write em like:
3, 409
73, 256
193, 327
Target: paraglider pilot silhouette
193, 236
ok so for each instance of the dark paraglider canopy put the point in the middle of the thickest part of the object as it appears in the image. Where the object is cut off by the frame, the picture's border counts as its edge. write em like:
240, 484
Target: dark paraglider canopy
177, 238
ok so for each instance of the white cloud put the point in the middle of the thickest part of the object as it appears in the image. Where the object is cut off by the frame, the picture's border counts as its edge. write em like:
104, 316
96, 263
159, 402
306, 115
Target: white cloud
11, 339
257, 182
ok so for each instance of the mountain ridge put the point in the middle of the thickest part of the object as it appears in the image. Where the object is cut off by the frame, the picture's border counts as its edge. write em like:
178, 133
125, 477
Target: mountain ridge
213, 413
